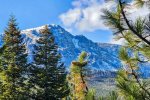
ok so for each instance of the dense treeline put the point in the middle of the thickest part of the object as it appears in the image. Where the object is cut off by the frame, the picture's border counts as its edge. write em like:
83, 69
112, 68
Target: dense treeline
44, 79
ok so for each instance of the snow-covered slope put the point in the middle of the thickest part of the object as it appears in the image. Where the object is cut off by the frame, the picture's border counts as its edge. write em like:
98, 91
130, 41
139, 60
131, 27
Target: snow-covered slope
102, 56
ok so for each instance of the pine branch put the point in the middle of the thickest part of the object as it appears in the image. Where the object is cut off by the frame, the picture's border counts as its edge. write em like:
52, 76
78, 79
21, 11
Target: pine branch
141, 86
130, 27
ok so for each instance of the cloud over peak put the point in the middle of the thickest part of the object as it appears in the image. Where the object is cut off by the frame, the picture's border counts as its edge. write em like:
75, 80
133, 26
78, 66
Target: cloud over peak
85, 15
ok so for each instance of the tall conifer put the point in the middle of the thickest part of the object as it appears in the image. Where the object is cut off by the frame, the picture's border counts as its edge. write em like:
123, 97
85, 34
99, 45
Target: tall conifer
135, 34
13, 63
78, 85
48, 75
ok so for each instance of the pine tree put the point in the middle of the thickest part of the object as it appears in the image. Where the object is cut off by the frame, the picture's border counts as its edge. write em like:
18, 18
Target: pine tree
130, 84
47, 74
137, 39
79, 88
120, 23
13, 64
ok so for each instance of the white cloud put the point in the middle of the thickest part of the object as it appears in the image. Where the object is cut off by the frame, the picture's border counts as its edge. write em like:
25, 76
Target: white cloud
142, 12
91, 19
71, 17
135, 12
85, 15
114, 41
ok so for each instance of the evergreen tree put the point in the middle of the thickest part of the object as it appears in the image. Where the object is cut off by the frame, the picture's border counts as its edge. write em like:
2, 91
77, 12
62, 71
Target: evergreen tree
118, 20
13, 64
136, 38
79, 89
47, 74
130, 84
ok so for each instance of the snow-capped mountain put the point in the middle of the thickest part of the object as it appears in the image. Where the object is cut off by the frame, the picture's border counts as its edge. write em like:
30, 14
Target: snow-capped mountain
102, 56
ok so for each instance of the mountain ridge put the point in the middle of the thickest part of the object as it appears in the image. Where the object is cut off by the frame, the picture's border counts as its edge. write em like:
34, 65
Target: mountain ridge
71, 46
102, 56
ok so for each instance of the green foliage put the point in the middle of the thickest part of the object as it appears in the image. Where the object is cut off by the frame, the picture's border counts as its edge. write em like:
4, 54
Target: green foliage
113, 19
136, 39
90, 95
47, 73
76, 77
118, 20
139, 3
139, 25
130, 86
124, 55
13, 64
112, 96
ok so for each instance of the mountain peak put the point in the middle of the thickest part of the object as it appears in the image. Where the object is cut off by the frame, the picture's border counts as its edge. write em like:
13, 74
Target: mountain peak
71, 46
41, 27
102, 56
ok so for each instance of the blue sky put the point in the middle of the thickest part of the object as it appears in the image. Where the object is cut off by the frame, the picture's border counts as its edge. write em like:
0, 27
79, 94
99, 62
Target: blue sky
34, 13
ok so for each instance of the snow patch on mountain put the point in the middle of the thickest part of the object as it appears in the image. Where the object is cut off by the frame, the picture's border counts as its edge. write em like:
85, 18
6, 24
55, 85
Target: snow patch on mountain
75, 42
